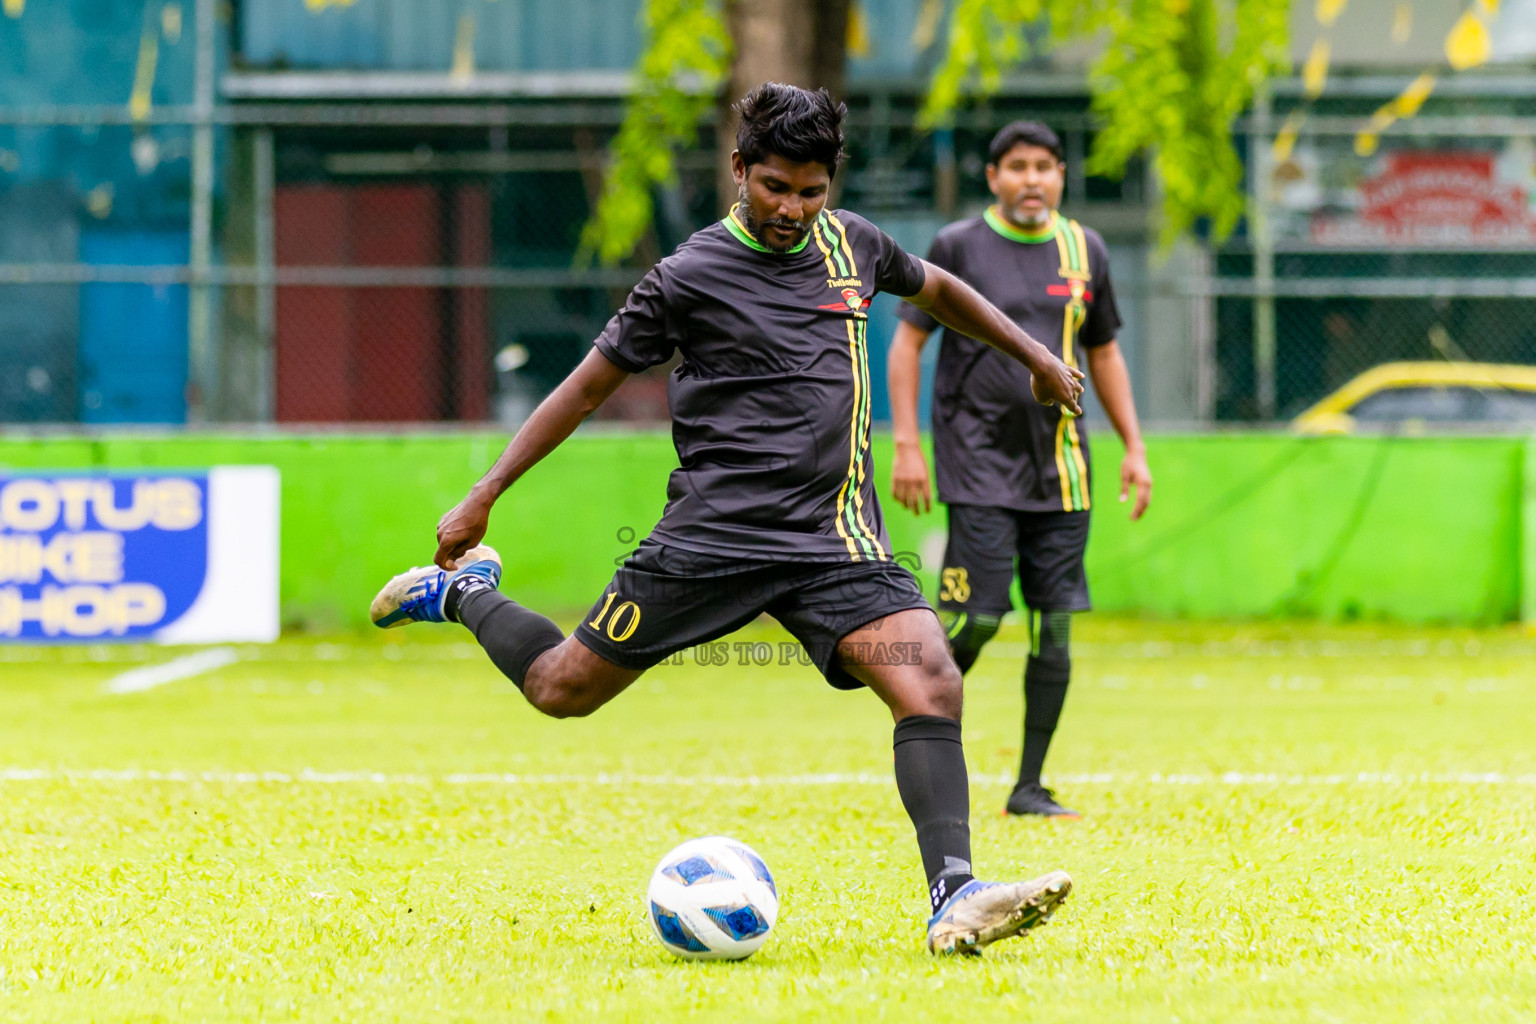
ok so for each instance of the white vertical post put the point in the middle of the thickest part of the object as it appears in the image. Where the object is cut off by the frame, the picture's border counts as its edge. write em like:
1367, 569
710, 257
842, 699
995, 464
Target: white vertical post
200, 361
263, 190
1259, 177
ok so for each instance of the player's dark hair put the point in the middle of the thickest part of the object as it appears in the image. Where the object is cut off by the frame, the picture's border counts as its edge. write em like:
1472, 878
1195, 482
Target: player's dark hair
796, 124
1028, 133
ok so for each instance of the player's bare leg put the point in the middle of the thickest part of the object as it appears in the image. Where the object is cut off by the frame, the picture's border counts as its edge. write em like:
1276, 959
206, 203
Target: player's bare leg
904, 658
930, 685
571, 680
559, 675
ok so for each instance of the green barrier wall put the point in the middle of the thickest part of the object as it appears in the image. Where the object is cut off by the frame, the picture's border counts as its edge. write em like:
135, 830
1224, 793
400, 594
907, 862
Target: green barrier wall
1415, 529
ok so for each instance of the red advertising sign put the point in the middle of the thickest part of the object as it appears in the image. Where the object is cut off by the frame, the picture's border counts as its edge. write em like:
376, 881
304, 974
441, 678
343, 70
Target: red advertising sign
1433, 199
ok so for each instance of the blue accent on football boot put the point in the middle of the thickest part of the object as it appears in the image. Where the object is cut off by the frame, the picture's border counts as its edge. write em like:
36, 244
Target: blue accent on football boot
980, 913
419, 594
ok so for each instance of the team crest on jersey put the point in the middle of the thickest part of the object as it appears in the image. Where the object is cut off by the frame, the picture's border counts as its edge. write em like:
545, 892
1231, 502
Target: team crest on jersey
1078, 290
852, 300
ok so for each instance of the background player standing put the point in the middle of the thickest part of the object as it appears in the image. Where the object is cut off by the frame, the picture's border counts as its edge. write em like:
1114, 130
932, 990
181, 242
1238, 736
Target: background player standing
1014, 473
773, 506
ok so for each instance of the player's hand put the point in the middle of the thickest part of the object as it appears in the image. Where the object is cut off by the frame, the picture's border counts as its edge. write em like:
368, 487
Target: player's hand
1135, 476
1053, 382
461, 528
909, 478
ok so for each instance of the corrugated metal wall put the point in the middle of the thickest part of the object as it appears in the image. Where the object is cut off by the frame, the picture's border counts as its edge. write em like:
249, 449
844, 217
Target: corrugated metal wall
94, 194
88, 51
413, 35
525, 35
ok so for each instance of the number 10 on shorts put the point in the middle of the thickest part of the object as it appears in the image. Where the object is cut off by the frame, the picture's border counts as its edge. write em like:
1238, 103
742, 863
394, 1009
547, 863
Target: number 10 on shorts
622, 623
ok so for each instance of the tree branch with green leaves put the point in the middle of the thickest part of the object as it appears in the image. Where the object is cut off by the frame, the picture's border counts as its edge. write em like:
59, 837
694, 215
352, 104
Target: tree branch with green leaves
1172, 77
687, 56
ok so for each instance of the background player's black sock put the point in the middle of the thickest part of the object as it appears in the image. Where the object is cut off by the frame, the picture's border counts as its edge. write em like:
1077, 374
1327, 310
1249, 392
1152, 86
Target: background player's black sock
512, 635
931, 778
968, 634
1046, 675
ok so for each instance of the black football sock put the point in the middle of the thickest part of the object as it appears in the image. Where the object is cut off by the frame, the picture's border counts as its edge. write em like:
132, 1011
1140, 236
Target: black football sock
1046, 675
512, 635
459, 586
968, 634
931, 778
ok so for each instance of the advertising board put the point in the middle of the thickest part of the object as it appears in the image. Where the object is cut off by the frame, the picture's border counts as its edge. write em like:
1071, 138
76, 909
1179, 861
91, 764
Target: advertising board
173, 557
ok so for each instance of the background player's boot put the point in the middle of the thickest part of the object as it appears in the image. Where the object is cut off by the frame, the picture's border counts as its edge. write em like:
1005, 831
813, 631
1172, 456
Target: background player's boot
980, 913
1033, 798
419, 594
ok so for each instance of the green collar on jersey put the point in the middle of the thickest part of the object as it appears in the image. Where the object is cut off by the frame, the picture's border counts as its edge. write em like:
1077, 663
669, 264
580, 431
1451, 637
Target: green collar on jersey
734, 225
1013, 234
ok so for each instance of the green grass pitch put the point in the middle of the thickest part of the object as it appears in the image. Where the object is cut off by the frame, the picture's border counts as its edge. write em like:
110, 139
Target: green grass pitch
1284, 823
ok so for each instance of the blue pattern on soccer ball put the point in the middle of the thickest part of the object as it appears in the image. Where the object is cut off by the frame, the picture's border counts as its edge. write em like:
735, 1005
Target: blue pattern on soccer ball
697, 869
674, 932
758, 868
739, 922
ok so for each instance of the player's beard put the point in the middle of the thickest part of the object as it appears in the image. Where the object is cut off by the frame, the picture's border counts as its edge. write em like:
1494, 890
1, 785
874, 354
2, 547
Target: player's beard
1030, 219
755, 227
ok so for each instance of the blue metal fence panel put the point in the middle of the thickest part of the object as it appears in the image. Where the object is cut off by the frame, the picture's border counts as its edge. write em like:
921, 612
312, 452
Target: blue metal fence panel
893, 40
38, 322
88, 51
133, 337
410, 35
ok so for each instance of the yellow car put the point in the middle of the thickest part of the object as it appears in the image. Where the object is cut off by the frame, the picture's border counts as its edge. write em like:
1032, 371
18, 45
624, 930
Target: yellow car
1422, 395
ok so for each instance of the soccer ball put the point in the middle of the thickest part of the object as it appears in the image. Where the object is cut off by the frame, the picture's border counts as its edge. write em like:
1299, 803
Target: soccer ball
712, 899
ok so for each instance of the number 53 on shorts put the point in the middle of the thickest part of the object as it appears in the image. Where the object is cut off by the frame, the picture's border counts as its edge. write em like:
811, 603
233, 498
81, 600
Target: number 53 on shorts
954, 585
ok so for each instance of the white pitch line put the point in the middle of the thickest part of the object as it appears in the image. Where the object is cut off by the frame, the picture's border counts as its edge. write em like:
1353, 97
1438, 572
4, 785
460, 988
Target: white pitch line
151, 676
310, 777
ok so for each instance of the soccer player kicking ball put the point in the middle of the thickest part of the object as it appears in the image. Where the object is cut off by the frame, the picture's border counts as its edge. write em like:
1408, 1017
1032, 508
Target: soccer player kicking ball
773, 506
1013, 472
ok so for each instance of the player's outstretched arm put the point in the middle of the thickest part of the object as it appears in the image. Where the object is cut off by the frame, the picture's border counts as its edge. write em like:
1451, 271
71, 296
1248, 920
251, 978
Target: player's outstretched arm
957, 305
904, 374
1112, 381
587, 387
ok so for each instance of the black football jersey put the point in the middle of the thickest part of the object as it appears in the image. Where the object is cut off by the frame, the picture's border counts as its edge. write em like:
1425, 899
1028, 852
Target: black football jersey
770, 403
993, 443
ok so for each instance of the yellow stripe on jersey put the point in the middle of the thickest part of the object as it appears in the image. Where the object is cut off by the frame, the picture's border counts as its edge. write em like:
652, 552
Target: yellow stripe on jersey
1071, 467
847, 247
842, 494
850, 525
862, 442
1082, 248
826, 253
1073, 248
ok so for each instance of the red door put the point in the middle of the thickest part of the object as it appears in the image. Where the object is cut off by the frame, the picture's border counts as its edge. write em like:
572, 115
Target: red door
373, 352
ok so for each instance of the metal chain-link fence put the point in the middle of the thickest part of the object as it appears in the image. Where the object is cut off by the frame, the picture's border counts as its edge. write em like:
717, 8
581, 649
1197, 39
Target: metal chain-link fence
359, 273
414, 262
1419, 247
372, 263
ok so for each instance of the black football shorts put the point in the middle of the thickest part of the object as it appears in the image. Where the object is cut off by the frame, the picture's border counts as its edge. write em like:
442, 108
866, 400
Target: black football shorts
984, 544
664, 600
